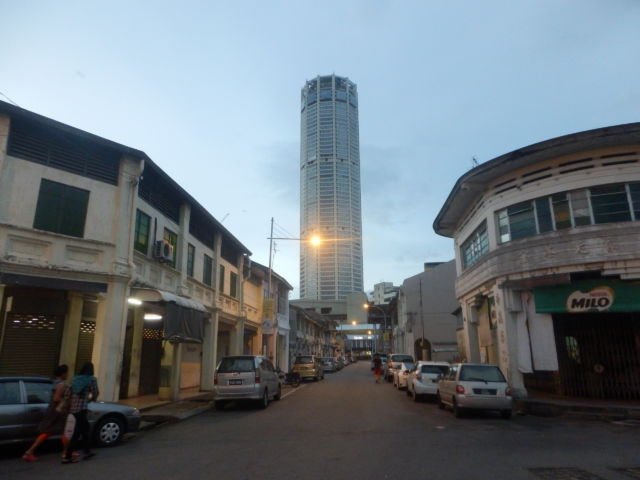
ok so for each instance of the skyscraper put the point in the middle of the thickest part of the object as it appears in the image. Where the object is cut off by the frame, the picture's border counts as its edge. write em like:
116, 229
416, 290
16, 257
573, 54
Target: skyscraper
330, 205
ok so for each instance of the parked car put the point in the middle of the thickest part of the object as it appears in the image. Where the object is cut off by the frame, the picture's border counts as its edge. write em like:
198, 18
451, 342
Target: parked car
308, 366
401, 375
470, 386
339, 363
328, 364
394, 360
423, 380
24, 400
246, 377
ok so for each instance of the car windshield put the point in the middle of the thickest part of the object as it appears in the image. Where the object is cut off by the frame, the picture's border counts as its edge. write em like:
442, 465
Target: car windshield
304, 359
408, 366
401, 358
435, 369
481, 373
236, 364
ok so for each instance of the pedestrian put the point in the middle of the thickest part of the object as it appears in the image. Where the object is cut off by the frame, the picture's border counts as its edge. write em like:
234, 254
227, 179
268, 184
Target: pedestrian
84, 389
55, 415
377, 367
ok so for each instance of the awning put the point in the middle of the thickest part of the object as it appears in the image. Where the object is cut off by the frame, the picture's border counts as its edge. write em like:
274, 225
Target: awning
183, 319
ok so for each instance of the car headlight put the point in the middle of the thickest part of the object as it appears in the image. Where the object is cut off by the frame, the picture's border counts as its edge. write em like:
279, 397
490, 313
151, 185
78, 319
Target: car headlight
135, 412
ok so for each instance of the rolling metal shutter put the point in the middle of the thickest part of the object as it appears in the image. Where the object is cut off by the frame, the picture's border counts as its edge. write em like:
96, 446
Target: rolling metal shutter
30, 344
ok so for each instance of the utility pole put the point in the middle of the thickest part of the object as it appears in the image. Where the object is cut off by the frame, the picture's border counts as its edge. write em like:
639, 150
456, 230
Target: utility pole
422, 345
269, 297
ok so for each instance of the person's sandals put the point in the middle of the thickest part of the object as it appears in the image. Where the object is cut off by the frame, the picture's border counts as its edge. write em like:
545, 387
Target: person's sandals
73, 459
29, 457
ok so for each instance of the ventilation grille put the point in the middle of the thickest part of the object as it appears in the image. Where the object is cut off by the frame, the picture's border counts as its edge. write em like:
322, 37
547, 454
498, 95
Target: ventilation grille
62, 151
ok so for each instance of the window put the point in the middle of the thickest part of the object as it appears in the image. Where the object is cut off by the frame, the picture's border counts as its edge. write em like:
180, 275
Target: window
482, 373
9, 393
221, 285
191, 254
521, 221
233, 284
236, 364
580, 208
61, 209
207, 270
38, 392
143, 227
561, 211
610, 204
543, 213
634, 190
172, 238
475, 247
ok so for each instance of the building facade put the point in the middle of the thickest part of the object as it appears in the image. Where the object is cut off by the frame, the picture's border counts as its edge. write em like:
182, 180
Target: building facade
426, 325
104, 258
548, 263
312, 334
330, 199
384, 292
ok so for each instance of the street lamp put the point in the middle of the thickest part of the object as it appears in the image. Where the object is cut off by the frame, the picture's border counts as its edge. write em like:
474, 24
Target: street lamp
354, 323
367, 306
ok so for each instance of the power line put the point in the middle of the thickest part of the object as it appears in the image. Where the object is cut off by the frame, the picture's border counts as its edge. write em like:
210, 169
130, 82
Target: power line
9, 99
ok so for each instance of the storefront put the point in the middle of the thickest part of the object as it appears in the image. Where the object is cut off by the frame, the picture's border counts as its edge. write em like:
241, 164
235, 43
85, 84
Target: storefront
596, 325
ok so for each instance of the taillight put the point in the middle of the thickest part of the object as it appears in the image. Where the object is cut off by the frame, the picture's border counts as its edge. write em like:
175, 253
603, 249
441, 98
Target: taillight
215, 379
460, 389
257, 377
507, 392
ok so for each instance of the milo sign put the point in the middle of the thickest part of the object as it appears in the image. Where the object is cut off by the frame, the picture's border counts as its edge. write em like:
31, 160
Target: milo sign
598, 299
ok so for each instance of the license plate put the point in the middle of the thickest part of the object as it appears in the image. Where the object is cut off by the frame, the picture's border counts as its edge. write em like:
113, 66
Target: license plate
235, 382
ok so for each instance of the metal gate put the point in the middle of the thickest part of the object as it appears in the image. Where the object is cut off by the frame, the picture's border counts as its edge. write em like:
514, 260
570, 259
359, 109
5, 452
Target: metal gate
30, 344
599, 355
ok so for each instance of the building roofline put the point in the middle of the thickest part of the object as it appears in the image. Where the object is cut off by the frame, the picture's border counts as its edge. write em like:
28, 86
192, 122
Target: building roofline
19, 112
473, 183
278, 277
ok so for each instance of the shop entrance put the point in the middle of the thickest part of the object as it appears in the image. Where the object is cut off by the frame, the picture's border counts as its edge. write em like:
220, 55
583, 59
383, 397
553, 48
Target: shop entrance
599, 354
150, 359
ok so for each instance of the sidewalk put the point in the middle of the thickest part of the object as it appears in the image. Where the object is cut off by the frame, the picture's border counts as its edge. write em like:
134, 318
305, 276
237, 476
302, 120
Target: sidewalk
191, 403
553, 406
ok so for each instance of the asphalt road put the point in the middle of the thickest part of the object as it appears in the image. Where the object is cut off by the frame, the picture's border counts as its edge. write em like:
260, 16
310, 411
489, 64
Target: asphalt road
347, 427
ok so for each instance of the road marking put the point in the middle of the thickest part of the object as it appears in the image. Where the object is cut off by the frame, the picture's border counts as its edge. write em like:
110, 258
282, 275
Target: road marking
293, 391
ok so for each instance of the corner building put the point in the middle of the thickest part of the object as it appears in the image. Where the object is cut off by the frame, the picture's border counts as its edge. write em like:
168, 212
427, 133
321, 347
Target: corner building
330, 190
548, 263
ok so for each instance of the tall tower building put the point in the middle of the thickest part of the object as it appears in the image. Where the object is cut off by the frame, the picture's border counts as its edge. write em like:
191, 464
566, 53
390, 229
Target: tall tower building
330, 204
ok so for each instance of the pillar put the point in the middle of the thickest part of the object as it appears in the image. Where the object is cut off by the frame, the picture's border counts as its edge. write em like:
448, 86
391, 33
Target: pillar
170, 372
237, 338
183, 247
111, 324
136, 353
5, 180
471, 332
71, 332
209, 351
507, 317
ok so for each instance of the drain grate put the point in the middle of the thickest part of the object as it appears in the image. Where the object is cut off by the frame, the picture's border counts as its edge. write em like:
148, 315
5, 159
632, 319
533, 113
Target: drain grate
633, 472
564, 473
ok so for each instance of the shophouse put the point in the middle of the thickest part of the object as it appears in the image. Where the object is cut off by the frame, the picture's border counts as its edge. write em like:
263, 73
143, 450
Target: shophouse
104, 257
547, 243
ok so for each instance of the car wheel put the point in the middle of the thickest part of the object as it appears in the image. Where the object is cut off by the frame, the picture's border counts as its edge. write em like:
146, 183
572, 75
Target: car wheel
219, 404
109, 431
439, 401
279, 394
457, 411
315, 379
506, 414
264, 403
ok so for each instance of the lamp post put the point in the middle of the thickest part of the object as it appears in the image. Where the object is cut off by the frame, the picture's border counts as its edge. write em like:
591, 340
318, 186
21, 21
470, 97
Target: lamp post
313, 240
384, 316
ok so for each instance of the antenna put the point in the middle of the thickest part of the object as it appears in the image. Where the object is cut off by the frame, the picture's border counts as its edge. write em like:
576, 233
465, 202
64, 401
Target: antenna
474, 162
225, 217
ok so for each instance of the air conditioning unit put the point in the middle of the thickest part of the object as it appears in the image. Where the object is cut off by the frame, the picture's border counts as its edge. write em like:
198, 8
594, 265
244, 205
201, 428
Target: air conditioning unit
163, 251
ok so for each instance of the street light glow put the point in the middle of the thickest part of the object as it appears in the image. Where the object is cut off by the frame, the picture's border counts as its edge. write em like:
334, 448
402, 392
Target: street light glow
315, 240
353, 322
368, 332
366, 306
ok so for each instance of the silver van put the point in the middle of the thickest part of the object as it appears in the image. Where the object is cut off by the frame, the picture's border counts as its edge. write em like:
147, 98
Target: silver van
246, 377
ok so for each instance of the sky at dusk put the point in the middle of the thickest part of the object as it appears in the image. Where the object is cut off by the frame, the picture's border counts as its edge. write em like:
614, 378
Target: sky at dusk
211, 92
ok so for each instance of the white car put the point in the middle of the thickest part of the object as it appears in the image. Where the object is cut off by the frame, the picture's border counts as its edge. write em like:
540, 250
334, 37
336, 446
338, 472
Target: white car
401, 374
475, 386
423, 381
394, 361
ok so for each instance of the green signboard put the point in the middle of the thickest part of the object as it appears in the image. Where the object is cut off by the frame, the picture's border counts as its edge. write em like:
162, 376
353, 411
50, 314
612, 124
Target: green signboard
594, 295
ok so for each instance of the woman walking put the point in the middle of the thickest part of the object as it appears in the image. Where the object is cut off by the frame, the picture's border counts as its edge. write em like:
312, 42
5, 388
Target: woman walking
377, 367
84, 389
55, 415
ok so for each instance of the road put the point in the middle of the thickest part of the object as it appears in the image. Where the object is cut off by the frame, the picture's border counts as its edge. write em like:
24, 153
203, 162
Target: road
347, 427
